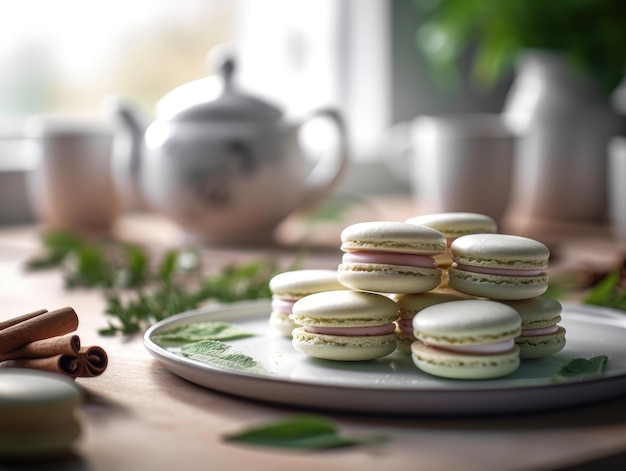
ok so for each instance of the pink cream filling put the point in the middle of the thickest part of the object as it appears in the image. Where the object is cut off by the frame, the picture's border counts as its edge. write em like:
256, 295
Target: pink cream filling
405, 325
499, 271
499, 347
281, 305
540, 331
391, 258
370, 330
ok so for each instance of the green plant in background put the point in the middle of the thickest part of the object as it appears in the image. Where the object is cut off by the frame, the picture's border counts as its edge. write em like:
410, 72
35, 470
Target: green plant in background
590, 33
609, 292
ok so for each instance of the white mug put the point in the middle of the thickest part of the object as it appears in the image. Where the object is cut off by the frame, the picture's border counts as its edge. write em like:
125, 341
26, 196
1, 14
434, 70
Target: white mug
461, 162
70, 187
617, 186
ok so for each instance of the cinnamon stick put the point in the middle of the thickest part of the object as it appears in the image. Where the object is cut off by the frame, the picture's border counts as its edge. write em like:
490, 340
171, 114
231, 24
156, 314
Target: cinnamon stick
68, 344
22, 318
65, 364
37, 327
87, 363
92, 361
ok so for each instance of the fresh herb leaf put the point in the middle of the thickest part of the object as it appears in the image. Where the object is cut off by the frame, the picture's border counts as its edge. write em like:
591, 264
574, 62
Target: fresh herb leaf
582, 368
56, 247
300, 432
222, 355
92, 264
203, 331
140, 289
174, 295
608, 293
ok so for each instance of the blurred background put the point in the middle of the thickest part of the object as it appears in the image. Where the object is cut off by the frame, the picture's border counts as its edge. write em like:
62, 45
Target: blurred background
382, 63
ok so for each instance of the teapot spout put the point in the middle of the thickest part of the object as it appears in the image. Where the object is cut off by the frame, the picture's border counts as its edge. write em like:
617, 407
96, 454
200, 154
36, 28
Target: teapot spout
128, 131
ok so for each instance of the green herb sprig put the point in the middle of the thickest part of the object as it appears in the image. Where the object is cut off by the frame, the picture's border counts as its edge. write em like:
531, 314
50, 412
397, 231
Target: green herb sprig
140, 288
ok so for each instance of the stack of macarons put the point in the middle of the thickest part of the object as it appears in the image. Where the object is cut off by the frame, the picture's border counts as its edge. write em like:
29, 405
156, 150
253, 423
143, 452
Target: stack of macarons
445, 276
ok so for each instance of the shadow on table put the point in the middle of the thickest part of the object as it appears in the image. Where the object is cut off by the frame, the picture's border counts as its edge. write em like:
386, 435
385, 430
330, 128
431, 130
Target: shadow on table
64, 462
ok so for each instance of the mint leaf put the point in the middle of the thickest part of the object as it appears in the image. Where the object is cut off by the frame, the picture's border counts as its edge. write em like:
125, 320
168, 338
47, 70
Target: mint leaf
222, 355
299, 432
603, 294
582, 368
203, 331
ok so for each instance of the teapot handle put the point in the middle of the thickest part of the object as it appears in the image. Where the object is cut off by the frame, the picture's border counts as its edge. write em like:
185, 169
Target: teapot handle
330, 167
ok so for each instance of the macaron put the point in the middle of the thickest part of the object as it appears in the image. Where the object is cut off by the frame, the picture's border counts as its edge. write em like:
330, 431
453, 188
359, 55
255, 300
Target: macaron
409, 305
455, 225
467, 339
541, 335
345, 325
390, 257
38, 413
499, 266
290, 286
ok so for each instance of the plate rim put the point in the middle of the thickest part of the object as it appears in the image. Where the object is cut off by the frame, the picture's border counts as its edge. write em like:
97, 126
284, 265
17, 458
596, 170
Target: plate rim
175, 363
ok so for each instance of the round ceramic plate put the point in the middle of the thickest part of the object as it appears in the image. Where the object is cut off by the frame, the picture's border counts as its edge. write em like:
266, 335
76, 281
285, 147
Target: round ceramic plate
393, 384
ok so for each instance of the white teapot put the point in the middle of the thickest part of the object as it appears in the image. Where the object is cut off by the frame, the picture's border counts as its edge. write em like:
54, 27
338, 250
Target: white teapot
226, 166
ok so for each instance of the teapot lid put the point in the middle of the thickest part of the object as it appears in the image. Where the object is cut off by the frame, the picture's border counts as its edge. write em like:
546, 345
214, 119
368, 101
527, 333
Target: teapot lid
217, 100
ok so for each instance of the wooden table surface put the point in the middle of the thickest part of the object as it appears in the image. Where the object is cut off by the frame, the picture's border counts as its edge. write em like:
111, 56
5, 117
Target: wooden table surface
139, 416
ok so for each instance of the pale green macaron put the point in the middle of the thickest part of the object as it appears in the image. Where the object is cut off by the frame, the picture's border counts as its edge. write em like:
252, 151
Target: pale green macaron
409, 305
345, 325
467, 339
541, 335
499, 266
38, 413
390, 257
289, 286
454, 225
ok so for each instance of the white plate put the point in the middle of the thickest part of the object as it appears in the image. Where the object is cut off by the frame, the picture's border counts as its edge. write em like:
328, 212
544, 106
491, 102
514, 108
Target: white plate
393, 385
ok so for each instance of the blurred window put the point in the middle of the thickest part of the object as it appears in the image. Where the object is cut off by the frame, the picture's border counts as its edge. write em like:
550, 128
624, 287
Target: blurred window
66, 55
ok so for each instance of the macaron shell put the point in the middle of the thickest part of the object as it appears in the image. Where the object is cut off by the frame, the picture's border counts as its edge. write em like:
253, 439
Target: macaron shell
296, 284
537, 312
383, 278
390, 236
497, 286
345, 308
500, 251
282, 323
456, 224
343, 348
411, 304
463, 366
37, 413
539, 346
404, 341
466, 322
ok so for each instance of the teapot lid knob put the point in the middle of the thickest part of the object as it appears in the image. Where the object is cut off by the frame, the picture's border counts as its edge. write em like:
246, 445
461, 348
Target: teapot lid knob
223, 61
227, 70
226, 101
